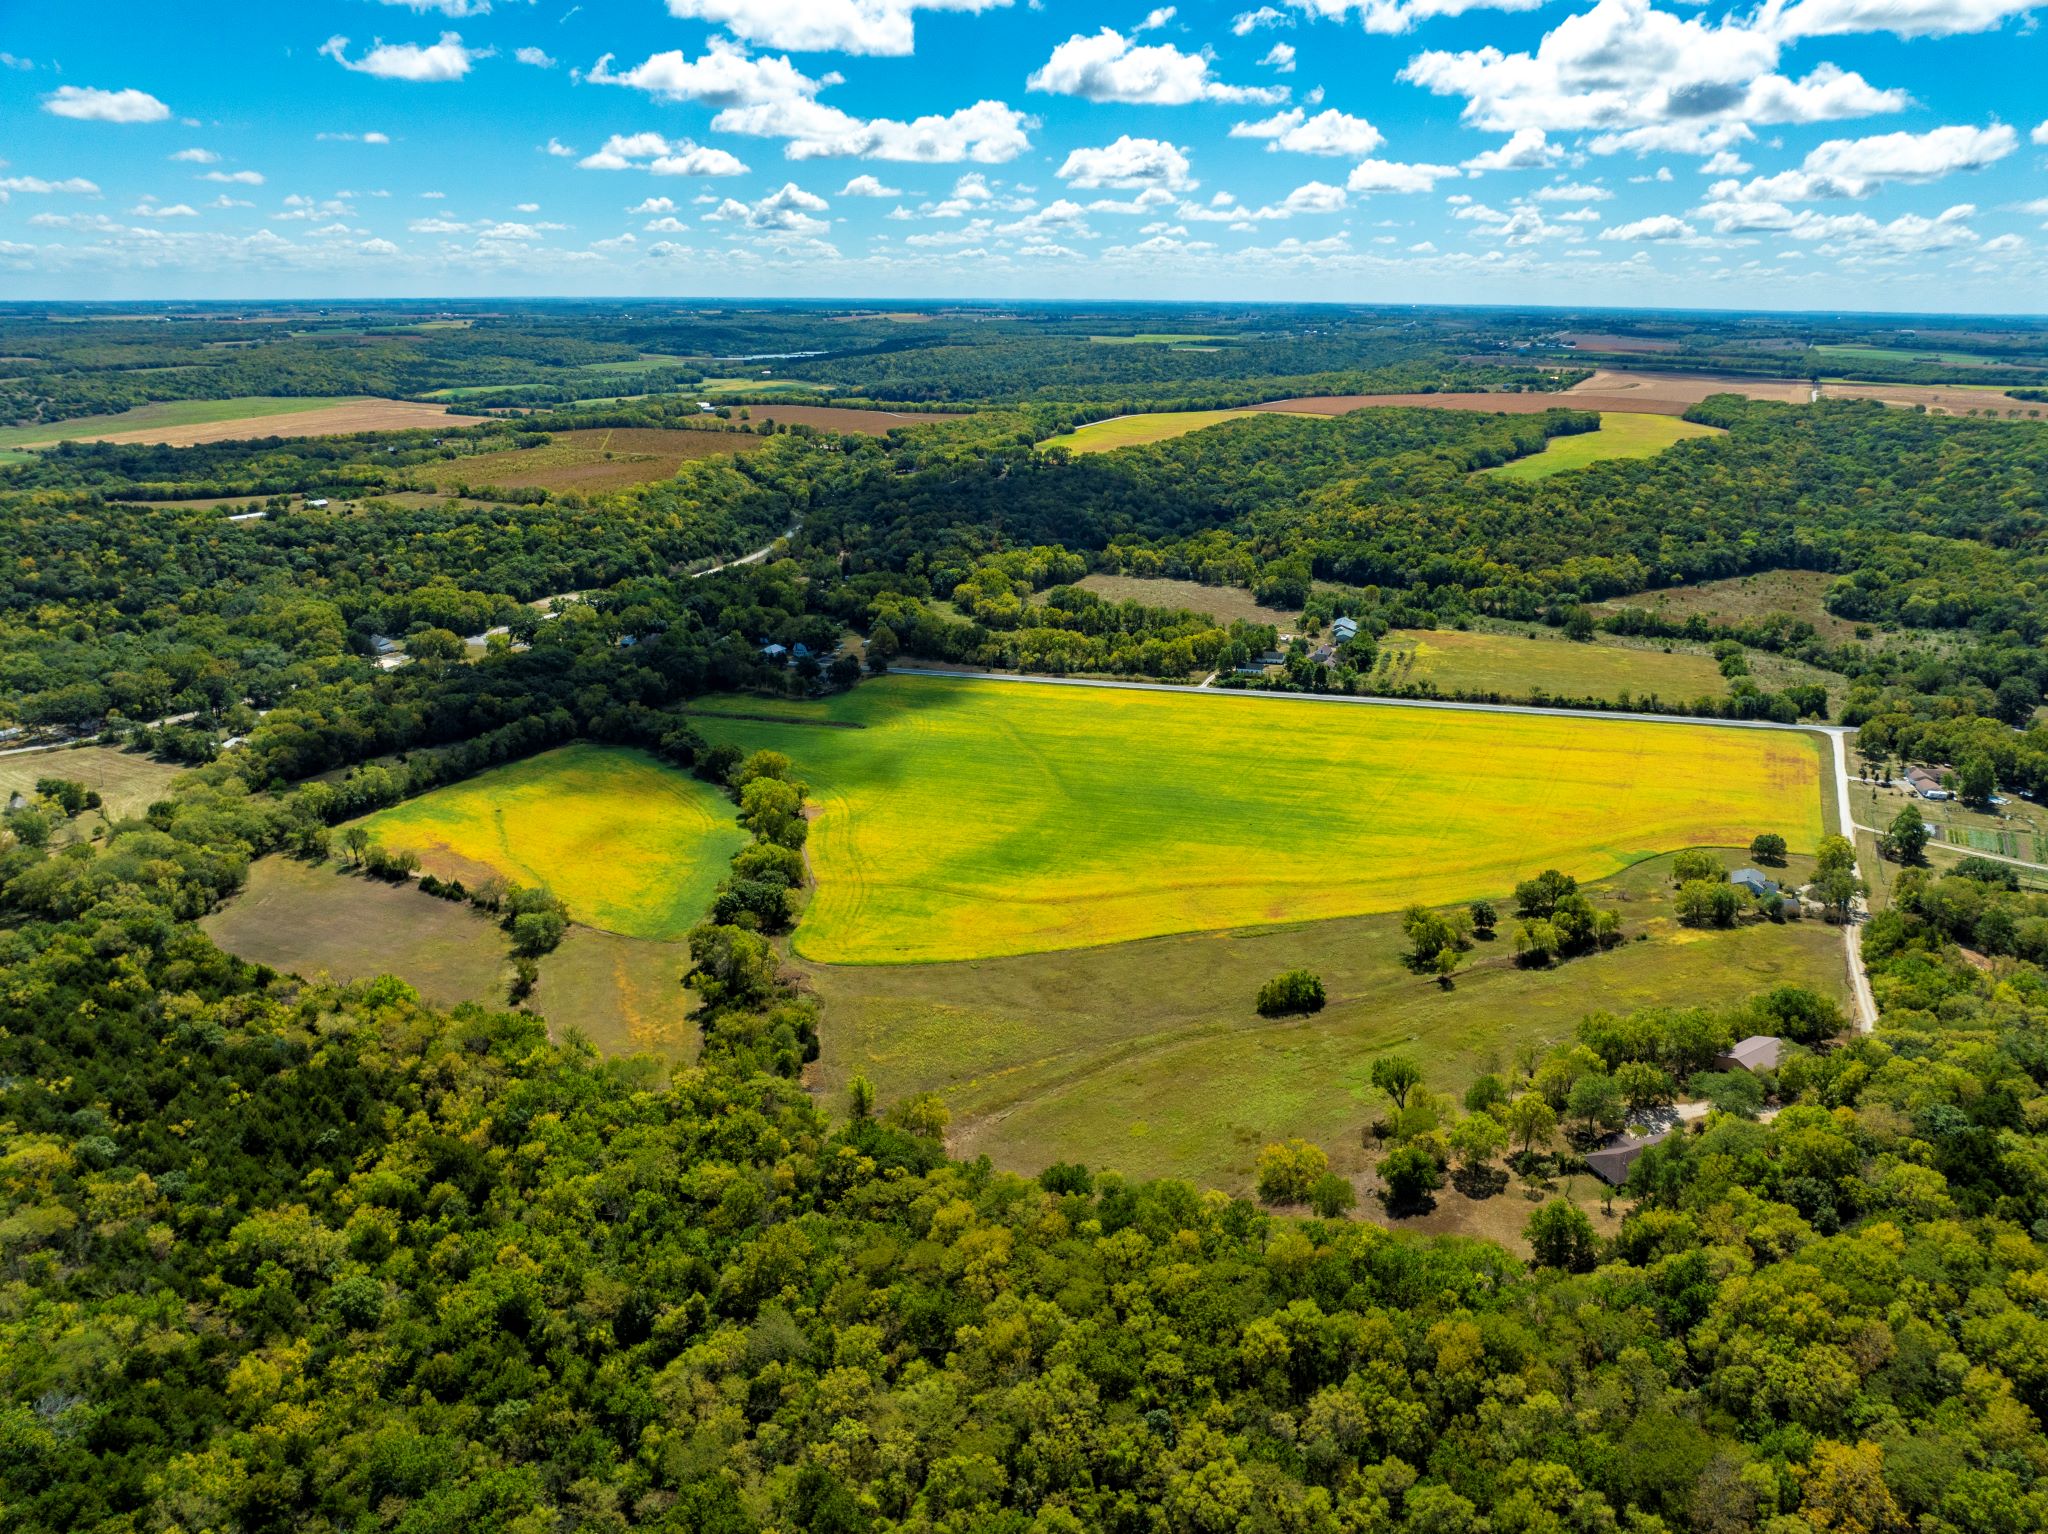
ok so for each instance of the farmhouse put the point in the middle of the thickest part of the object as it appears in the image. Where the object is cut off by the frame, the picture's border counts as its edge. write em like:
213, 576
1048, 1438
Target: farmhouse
1754, 882
1610, 1163
1344, 630
1926, 784
1758, 1052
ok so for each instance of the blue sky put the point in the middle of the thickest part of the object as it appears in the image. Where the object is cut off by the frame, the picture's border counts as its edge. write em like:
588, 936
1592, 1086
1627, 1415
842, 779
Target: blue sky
1857, 154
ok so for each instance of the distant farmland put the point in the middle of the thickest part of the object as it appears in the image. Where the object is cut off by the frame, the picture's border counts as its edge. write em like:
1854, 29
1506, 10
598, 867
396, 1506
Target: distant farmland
977, 818
591, 460
187, 423
1621, 435
872, 423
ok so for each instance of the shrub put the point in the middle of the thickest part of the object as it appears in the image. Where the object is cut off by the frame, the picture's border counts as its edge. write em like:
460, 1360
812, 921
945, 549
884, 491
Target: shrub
1285, 1172
1067, 1177
1297, 991
1331, 1195
1562, 1237
1694, 865
1411, 1174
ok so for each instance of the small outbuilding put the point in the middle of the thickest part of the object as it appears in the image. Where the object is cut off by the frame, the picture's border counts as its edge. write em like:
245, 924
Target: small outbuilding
774, 652
1344, 630
318, 503
1758, 1052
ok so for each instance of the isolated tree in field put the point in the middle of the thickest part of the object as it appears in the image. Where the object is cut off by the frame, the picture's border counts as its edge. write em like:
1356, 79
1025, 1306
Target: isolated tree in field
1578, 626
1539, 896
1429, 933
355, 841
1908, 835
1286, 1171
1562, 1237
1484, 917
1411, 1174
1476, 1139
1530, 1122
1331, 1195
1296, 991
1835, 853
1695, 863
1536, 943
1397, 1076
1769, 849
1446, 965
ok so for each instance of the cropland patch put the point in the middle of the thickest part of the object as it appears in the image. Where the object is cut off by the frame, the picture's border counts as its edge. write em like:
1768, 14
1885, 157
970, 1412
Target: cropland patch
187, 423
1622, 434
1140, 430
1676, 393
1149, 1056
630, 845
1544, 662
1940, 399
1157, 338
592, 460
1605, 341
976, 818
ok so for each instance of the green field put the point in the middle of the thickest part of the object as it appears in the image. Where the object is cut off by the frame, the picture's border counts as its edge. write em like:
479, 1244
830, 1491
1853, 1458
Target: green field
1156, 338
1622, 434
1138, 430
971, 818
1854, 354
183, 412
1150, 1058
631, 846
1524, 665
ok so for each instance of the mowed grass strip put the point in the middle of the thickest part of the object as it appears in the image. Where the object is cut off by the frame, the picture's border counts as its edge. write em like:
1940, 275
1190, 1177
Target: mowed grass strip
1519, 666
1622, 434
979, 818
631, 846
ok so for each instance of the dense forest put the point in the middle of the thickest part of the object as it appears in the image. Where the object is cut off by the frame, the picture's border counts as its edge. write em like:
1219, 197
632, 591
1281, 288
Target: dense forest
277, 1255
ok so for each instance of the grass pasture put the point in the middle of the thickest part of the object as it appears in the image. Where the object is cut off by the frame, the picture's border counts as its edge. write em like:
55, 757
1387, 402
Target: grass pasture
1621, 435
1226, 604
632, 846
591, 460
127, 782
970, 819
1522, 666
1158, 338
1738, 599
1149, 1057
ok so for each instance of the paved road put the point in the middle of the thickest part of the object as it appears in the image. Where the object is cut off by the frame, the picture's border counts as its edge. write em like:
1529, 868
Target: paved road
1859, 979
748, 559
86, 740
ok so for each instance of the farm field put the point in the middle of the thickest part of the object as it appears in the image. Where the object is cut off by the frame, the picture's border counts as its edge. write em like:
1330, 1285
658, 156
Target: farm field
314, 919
1622, 434
596, 459
187, 423
624, 994
1157, 338
1141, 430
1852, 356
1604, 341
1521, 666
969, 819
1940, 399
1149, 1057
630, 845
1226, 604
1676, 393
127, 782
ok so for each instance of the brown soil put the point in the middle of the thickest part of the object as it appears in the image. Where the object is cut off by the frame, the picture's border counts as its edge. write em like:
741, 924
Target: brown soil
1602, 341
330, 421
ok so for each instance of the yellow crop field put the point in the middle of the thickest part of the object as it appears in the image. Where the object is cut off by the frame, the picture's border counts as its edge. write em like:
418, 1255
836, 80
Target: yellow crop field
968, 819
631, 846
1139, 430
1622, 434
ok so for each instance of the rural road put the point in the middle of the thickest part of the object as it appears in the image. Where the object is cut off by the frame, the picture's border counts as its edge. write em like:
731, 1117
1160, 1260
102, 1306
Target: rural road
749, 559
1859, 980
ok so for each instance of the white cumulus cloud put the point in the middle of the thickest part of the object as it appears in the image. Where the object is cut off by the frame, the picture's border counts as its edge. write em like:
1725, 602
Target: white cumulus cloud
87, 103
880, 27
1110, 67
422, 64
1659, 226
1328, 132
652, 152
1129, 163
868, 186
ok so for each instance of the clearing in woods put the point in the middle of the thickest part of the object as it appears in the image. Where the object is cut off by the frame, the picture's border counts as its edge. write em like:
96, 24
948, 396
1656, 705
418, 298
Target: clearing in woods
630, 845
126, 781
1728, 603
1621, 435
1519, 666
967, 819
1142, 430
187, 423
1226, 604
591, 460
1150, 1057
